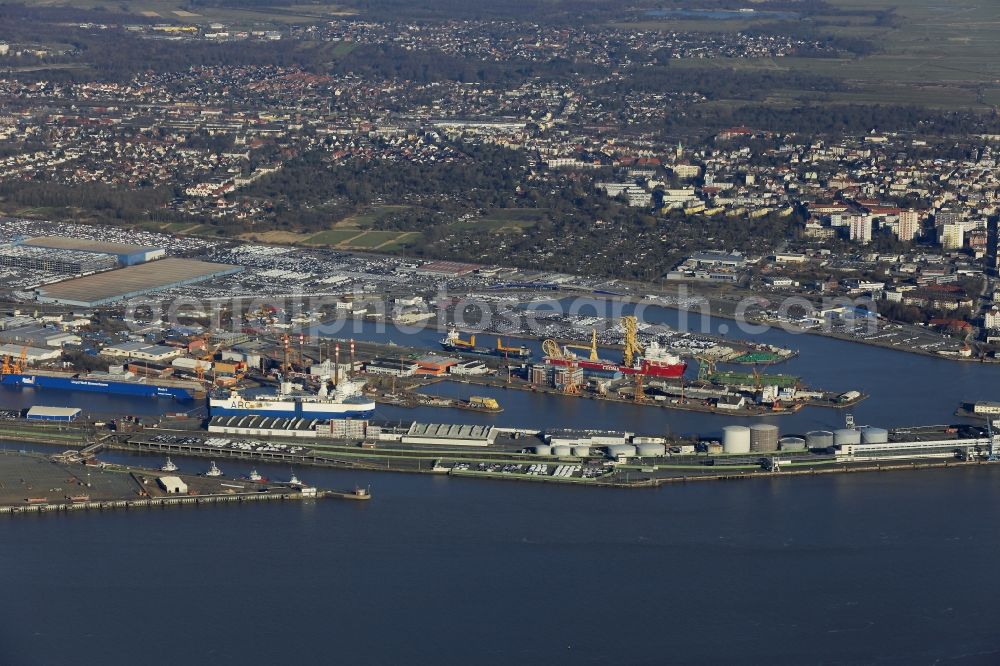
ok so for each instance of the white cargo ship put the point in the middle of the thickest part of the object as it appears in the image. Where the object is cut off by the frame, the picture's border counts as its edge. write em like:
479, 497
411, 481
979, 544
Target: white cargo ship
345, 401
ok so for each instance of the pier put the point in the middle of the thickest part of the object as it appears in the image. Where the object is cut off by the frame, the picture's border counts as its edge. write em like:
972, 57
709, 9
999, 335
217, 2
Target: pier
150, 503
32, 483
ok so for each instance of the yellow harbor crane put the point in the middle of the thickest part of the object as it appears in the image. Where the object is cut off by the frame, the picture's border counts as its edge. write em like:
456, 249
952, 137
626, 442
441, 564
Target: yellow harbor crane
553, 350
632, 346
570, 385
630, 352
12, 366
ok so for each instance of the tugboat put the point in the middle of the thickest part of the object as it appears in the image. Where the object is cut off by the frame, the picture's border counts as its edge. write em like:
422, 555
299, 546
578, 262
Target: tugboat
213, 470
294, 481
255, 477
168, 466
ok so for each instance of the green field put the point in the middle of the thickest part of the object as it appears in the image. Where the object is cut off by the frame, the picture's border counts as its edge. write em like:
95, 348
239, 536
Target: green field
375, 239
932, 53
361, 239
332, 237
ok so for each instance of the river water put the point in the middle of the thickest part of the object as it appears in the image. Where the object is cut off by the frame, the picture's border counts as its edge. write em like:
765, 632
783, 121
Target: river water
889, 568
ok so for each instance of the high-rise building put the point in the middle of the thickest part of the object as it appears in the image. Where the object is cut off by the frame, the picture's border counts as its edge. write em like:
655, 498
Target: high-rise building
908, 226
861, 228
951, 236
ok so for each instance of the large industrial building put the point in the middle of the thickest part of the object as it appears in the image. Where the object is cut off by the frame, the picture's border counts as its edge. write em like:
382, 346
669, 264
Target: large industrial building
125, 254
449, 434
131, 281
32, 355
69, 262
38, 336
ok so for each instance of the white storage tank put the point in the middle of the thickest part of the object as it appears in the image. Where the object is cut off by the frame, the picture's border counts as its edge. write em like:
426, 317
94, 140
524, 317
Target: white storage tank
872, 435
581, 451
846, 436
763, 437
621, 451
736, 439
543, 449
650, 450
792, 444
562, 451
819, 439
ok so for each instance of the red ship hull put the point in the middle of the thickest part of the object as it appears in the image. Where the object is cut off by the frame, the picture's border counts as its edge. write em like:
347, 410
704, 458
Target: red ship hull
668, 371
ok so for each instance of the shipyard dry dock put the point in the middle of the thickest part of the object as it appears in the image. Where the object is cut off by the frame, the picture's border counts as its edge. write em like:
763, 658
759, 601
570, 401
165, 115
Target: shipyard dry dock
33, 483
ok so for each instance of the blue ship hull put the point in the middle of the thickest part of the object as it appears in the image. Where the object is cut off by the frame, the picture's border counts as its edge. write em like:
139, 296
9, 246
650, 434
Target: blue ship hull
97, 386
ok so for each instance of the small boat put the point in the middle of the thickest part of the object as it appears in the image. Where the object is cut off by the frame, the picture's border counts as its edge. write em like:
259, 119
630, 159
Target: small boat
480, 404
168, 466
255, 477
213, 470
294, 481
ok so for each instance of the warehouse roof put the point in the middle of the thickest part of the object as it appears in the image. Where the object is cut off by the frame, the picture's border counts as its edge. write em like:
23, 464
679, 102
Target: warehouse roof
45, 253
263, 422
29, 352
447, 268
435, 359
40, 412
132, 281
449, 430
86, 245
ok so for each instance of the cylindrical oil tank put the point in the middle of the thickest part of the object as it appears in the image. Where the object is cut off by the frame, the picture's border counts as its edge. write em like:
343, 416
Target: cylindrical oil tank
736, 439
846, 436
581, 451
651, 450
621, 451
819, 439
763, 437
792, 444
543, 449
562, 450
872, 435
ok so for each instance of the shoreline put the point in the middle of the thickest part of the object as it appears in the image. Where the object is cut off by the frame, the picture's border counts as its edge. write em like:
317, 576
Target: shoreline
433, 324
491, 464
